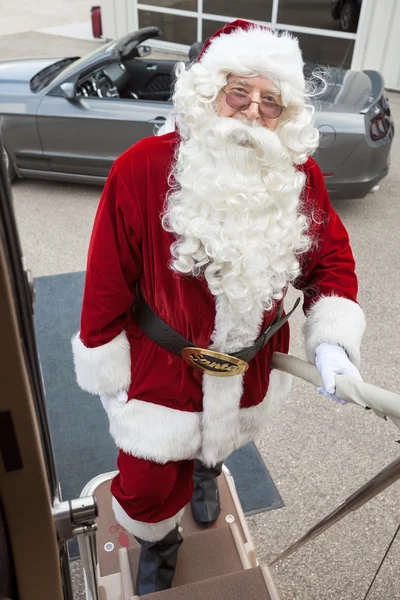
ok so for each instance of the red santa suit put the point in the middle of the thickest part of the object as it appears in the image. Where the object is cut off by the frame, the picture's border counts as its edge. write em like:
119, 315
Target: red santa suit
174, 413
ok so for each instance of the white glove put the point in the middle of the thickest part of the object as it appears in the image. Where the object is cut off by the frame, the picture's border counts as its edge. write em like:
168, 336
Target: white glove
121, 397
332, 360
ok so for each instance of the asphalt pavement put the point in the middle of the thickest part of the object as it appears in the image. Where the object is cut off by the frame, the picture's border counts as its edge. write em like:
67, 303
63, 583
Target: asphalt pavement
318, 452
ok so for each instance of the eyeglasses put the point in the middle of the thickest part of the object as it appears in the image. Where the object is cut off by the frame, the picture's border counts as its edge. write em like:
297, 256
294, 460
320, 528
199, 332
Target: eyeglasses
266, 108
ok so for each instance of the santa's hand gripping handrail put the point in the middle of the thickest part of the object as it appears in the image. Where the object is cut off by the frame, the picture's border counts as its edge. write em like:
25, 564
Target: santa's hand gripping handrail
382, 402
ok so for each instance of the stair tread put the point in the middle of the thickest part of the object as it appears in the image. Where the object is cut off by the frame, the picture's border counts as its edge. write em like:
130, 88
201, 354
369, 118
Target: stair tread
203, 555
112, 535
248, 584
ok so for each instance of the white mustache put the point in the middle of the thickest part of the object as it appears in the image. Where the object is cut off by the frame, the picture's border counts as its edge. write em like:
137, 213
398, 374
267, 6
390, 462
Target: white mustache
247, 134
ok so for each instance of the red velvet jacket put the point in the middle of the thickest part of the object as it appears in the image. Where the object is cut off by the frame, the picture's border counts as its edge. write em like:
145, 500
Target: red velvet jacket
129, 245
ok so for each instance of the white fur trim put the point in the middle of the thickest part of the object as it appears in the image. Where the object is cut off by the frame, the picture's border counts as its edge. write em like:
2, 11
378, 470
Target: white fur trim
149, 532
260, 50
154, 432
162, 434
250, 421
221, 396
105, 369
220, 423
335, 320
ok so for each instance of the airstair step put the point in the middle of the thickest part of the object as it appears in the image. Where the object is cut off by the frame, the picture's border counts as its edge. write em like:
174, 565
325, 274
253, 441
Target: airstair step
204, 555
111, 537
242, 585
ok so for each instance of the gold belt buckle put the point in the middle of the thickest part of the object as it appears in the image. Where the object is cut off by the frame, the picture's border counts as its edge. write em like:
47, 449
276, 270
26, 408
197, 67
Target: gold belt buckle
214, 363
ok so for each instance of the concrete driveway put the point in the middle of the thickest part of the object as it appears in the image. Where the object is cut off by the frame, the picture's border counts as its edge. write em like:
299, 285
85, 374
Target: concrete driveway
318, 452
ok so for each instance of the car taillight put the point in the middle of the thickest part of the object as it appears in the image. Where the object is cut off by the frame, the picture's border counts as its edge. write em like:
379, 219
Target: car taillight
381, 123
379, 127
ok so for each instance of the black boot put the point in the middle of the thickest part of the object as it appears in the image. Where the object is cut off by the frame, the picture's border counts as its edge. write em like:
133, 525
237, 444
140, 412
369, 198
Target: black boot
157, 563
205, 500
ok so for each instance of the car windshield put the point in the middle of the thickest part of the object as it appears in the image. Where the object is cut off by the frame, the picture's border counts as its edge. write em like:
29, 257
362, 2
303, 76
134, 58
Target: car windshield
76, 64
62, 68
46, 76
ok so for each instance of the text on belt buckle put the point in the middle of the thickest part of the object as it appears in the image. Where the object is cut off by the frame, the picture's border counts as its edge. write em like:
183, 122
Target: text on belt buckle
214, 363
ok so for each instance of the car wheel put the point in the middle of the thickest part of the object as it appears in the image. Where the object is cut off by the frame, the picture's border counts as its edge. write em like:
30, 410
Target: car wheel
349, 16
9, 166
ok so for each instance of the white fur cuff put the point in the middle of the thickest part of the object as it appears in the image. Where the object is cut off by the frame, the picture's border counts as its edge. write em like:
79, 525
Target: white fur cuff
149, 532
335, 320
105, 369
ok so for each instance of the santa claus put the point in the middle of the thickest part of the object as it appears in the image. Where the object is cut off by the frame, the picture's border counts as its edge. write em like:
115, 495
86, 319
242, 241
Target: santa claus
198, 234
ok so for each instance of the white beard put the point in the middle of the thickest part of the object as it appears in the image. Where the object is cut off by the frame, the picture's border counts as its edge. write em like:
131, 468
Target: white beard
234, 207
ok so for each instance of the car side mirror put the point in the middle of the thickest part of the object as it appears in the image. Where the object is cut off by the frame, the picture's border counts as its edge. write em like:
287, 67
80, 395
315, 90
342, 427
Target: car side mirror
143, 51
68, 90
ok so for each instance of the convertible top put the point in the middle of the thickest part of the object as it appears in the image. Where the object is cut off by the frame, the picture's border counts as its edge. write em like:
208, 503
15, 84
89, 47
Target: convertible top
125, 45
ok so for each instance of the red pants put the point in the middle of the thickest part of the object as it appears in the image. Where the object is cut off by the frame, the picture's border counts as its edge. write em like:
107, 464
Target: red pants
149, 498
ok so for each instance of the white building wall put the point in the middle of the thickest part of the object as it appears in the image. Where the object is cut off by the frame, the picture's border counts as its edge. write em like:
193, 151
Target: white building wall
118, 17
378, 40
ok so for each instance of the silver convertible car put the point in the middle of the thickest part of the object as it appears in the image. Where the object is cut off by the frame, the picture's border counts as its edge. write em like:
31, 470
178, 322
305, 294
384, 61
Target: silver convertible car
69, 118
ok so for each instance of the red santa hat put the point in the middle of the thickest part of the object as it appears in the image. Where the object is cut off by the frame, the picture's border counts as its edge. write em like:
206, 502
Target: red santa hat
244, 45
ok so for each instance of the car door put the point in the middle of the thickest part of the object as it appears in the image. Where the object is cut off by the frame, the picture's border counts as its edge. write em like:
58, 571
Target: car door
84, 136
152, 78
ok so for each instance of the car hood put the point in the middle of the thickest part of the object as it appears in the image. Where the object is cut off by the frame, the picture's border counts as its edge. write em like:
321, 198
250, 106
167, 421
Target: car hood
347, 91
22, 71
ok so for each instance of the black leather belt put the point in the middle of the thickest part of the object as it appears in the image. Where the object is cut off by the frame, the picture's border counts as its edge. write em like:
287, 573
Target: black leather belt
205, 360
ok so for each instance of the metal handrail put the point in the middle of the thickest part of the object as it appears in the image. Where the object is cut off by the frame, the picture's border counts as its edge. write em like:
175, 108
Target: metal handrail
383, 403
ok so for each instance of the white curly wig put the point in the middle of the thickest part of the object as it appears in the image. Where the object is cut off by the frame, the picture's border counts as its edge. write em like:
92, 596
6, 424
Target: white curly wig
235, 196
